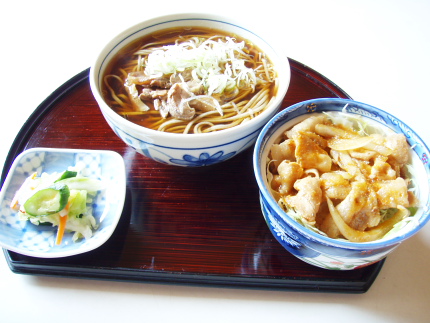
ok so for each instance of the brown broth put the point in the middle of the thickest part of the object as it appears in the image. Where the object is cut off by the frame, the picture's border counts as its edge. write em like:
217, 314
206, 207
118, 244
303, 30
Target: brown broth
125, 57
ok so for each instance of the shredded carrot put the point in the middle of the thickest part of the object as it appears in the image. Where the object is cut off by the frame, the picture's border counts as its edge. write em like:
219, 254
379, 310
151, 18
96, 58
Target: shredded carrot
62, 225
14, 204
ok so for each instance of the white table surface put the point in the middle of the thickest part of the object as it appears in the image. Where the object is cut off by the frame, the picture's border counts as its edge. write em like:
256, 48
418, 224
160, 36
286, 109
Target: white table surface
377, 51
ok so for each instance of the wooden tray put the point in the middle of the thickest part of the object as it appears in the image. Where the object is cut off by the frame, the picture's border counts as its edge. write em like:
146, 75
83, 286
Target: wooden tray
196, 226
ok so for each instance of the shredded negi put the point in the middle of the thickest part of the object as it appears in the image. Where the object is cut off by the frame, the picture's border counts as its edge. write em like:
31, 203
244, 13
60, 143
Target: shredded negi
219, 65
343, 178
60, 199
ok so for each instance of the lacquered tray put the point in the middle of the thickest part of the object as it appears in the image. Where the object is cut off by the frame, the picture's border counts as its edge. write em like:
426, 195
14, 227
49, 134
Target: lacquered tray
195, 226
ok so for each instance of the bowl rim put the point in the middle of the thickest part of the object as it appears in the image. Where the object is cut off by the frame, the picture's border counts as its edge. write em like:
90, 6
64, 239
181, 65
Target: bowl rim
281, 58
281, 118
75, 251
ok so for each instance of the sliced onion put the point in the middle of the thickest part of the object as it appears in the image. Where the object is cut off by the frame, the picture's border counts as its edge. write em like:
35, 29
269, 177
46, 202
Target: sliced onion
385, 151
366, 236
348, 144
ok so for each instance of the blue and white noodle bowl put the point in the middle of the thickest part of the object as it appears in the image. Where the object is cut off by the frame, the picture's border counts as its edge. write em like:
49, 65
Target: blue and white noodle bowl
315, 248
189, 150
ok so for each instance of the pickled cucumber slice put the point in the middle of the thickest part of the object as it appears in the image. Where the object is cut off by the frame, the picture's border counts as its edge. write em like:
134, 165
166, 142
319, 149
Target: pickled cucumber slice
48, 201
67, 174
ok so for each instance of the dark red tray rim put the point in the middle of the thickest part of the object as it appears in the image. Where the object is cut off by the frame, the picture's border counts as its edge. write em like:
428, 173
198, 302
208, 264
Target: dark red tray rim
213, 280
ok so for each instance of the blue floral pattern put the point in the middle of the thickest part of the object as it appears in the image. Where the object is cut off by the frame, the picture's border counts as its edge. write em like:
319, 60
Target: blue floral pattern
204, 159
283, 235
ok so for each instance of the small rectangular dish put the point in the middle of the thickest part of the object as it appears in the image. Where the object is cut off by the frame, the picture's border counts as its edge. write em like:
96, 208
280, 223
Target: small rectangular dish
106, 205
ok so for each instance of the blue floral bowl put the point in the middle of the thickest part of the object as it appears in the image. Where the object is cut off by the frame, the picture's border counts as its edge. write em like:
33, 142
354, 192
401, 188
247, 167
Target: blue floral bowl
189, 150
39, 240
310, 246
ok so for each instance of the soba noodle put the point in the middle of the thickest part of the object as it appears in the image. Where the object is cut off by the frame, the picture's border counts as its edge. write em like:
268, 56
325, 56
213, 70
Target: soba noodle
187, 65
